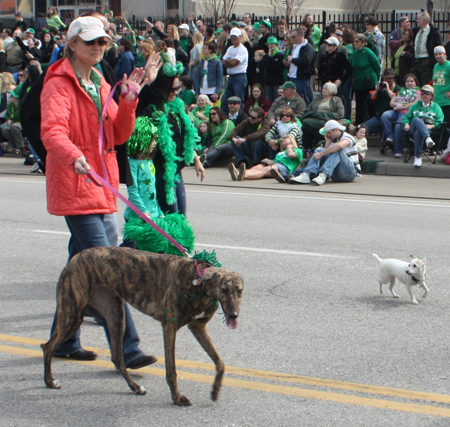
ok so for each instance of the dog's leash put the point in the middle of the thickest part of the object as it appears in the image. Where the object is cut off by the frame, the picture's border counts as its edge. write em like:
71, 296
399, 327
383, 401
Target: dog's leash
100, 181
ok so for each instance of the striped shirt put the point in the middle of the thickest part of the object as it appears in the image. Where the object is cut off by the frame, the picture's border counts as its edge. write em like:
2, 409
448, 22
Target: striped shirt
351, 151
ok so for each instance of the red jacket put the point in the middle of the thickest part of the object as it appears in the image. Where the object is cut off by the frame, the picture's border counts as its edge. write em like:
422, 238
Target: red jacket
69, 129
266, 104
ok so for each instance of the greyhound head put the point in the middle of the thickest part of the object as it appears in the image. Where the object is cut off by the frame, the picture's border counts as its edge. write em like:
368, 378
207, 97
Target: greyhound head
227, 288
417, 268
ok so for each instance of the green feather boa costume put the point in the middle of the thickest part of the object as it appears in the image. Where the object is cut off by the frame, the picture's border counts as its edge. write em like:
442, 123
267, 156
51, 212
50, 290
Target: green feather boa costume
167, 145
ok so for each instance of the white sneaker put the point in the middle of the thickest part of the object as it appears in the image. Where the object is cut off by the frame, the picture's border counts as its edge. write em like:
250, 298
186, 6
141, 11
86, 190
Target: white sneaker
320, 180
398, 155
430, 143
303, 178
418, 161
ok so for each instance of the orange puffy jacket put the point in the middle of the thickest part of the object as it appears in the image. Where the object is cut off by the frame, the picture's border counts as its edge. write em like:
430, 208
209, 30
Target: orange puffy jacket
69, 129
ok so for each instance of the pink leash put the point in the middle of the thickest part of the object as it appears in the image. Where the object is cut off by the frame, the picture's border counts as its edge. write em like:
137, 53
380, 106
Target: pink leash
99, 181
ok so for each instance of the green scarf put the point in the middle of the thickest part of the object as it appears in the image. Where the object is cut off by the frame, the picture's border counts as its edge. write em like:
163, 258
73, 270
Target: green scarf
275, 51
213, 56
167, 145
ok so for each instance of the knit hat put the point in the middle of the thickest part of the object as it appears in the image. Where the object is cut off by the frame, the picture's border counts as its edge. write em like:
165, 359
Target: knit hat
272, 40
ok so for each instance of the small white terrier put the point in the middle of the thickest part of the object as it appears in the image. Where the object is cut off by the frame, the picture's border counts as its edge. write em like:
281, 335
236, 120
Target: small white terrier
410, 274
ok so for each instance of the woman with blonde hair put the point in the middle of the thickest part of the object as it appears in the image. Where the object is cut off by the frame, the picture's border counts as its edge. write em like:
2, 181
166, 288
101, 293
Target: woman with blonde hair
172, 32
146, 50
286, 161
196, 53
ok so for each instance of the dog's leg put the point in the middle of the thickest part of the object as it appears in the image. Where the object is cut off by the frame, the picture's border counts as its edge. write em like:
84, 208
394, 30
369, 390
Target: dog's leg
410, 292
67, 323
391, 287
381, 287
198, 328
424, 286
111, 307
170, 332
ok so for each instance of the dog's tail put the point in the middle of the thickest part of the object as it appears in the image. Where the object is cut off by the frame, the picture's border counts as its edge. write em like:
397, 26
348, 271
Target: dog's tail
377, 257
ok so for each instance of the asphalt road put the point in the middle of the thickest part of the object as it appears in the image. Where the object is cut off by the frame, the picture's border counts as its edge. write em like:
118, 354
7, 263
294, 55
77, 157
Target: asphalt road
317, 345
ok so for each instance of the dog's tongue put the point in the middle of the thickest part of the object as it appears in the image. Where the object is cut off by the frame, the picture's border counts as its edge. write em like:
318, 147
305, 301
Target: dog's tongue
232, 323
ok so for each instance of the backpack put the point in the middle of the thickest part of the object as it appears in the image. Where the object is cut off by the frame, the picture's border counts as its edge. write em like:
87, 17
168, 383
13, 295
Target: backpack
30, 119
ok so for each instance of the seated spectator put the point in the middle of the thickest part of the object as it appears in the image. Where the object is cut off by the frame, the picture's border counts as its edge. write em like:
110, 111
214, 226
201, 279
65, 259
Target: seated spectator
200, 112
235, 113
12, 130
361, 141
404, 56
326, 106
248, 138
186, 93
291, 99
204, 132
257, 99
391, 120
287, 125
210, 73
220, 147
334, 65
338, 160
286, 161
125, 64
381, 99
273, 68
422, 118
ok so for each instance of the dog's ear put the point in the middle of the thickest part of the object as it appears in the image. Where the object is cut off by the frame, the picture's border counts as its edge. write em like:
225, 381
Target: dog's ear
413, 256
211, 273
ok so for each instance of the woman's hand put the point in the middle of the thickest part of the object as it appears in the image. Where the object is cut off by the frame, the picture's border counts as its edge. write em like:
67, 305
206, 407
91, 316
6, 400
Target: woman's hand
152, 67
406, 127
81, 166
199, 169
133, 84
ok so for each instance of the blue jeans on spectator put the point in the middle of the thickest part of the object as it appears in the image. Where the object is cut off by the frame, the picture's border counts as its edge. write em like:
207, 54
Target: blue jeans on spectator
180, 194
193, 75
374, 125
272, 153
255, 150
304, 88
271, 92
222, 151
284, 171
236, 86
346, 91
420, 132
88, 231
393, 131
336, 166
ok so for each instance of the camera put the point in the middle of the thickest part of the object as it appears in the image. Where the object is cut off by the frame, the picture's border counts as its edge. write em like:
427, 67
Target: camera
383, 85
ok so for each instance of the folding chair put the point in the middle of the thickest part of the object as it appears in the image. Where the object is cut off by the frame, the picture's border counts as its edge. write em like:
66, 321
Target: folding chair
437, 135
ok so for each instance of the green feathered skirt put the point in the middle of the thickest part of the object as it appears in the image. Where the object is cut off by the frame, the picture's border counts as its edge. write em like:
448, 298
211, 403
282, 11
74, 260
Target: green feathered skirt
148, 239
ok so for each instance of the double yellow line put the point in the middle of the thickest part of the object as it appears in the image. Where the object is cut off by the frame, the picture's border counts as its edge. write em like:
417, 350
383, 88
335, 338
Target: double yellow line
273, 385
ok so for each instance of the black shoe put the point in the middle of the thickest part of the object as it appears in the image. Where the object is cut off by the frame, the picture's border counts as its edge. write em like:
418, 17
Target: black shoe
141, 361
80, 355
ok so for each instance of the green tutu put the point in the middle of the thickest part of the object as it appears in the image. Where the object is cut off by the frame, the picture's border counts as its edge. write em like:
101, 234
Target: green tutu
148, 239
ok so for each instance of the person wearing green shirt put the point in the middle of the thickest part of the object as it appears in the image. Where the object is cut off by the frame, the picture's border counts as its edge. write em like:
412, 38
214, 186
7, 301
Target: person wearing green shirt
316, 34
53, 19
12, 130
441, 81
186, 94
422, 118
220, 147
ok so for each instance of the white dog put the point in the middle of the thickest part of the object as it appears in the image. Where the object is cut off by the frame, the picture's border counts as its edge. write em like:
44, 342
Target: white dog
410, 274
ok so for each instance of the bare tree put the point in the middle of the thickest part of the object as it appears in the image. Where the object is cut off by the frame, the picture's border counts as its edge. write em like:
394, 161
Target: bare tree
216, 8
287, 8
363, 7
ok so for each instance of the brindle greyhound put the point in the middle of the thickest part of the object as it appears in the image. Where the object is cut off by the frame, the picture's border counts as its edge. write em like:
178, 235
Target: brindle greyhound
162, 286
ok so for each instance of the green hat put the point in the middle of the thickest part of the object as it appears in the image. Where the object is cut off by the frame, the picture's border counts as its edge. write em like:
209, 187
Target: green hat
265, 22
141, 38
234, 24
272, 40
256, 25
218, 31
288, 85
30, 30
15, 92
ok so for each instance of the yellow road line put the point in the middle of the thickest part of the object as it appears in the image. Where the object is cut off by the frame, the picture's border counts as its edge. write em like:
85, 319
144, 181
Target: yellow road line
257, 386
276, 376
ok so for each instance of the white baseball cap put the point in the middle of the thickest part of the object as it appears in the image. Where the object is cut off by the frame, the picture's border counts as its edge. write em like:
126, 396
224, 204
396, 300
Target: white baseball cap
86, 27
331, 125
184, 27
235, 32
332, 40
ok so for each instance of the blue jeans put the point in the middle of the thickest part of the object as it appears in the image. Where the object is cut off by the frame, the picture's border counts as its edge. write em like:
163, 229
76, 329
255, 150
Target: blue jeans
284, 171
180, 194
337, 166
419, 132
304, 88
374, 125
271, 92
256, 150
88, 231
236, 86
346, 92
393, 131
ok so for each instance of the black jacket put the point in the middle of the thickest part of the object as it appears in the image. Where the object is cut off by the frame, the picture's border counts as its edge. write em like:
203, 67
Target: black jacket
262, 43
434, 39
305, 62
334, 66
273, 68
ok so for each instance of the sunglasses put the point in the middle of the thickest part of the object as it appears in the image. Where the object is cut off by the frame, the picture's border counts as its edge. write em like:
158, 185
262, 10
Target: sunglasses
100, 42
425, 92
257, 117
339, 34
285, 115
177, 88
21, 75
212, 114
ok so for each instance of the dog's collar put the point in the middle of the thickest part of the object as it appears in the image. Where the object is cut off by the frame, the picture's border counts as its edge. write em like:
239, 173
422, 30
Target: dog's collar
199, 281
416, 280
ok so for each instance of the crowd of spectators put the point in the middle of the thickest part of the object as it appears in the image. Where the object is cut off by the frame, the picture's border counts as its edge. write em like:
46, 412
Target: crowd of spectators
247, 84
